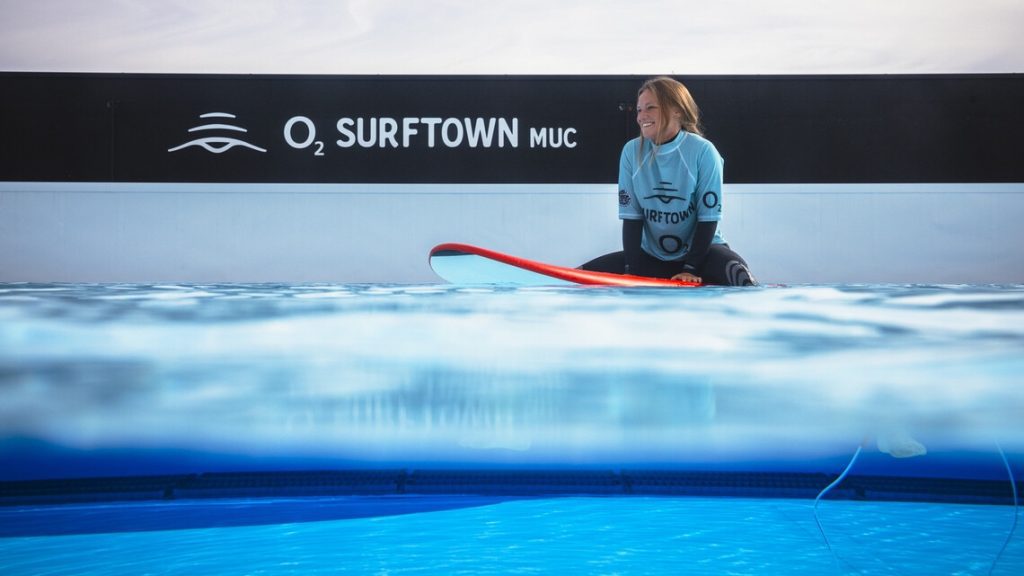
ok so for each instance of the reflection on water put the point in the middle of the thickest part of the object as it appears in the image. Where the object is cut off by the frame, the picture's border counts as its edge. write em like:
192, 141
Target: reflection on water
501, 374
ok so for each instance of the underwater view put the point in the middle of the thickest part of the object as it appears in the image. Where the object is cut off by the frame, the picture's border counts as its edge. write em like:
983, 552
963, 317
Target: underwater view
491, 429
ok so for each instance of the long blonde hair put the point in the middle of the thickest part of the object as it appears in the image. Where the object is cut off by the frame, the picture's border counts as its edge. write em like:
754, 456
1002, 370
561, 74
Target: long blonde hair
672, 96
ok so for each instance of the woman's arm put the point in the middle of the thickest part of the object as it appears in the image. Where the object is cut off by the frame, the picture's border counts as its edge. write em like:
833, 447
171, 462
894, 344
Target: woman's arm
632, 233
698, 252
702, 238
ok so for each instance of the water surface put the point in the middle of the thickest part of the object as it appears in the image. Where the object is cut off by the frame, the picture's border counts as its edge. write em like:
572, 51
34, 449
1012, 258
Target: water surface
533, 376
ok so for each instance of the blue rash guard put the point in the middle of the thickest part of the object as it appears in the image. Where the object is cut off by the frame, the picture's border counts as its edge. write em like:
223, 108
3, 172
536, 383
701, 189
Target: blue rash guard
671, 193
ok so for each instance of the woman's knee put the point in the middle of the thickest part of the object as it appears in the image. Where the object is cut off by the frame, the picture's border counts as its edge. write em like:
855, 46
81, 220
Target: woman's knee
724, 267
614, 263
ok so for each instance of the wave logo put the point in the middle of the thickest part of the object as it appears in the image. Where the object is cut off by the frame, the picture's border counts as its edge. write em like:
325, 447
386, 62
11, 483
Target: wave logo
217, 144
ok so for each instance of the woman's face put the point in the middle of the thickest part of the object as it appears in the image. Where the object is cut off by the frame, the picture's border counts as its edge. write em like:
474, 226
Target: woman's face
649, 117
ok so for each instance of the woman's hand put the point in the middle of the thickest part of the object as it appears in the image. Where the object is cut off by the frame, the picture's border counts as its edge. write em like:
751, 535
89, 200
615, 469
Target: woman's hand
687, 277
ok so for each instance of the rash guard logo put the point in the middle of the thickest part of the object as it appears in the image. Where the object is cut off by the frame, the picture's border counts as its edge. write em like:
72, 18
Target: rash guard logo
664, 193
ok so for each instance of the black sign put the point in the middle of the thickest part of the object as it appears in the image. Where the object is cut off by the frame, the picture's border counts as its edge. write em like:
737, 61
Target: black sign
468, 129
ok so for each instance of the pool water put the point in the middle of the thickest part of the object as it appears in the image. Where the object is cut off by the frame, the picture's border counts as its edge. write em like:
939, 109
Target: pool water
573, 535
138, 381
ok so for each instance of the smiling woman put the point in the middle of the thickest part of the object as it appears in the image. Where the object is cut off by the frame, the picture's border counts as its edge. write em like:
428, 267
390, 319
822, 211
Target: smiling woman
670, 196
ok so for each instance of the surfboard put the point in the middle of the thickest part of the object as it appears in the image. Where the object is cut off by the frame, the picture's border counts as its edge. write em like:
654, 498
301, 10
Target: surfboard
467, 264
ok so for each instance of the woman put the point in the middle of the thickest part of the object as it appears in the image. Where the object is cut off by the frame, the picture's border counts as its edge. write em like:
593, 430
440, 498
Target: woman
670, 196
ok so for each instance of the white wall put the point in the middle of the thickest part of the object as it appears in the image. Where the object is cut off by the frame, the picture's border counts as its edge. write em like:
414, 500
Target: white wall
792, 234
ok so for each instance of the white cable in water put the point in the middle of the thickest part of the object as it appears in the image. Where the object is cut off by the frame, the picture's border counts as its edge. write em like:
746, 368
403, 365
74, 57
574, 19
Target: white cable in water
1009, 535
1016, 506
826, 491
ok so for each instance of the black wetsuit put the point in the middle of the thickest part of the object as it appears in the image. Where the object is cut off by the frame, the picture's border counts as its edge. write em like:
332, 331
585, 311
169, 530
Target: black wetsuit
713, 263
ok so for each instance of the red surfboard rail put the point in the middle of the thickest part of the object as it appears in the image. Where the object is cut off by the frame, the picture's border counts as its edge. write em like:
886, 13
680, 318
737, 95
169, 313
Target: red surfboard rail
572, 275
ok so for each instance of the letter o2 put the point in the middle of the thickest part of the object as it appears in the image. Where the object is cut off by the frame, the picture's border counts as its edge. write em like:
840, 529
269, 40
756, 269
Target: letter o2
311, 129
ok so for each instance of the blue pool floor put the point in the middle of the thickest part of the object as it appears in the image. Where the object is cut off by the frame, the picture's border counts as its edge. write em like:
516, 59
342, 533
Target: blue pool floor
569, 535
